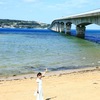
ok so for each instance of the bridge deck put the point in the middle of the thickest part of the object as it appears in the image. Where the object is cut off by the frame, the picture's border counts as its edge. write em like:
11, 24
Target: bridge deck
86, 14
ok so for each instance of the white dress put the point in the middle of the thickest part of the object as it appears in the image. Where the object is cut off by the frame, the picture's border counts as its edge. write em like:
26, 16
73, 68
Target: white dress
40, 94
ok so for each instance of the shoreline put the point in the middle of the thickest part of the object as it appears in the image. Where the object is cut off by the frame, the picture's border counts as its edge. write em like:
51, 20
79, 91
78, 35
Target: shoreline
50, 73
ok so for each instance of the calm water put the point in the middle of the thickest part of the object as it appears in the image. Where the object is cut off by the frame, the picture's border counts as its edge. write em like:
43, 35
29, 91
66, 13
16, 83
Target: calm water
27, 51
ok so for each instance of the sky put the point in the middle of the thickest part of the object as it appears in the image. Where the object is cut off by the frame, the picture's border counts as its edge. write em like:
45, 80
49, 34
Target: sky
44, 10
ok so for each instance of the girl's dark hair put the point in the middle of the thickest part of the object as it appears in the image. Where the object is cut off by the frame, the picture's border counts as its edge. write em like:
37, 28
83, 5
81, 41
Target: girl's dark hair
39, 74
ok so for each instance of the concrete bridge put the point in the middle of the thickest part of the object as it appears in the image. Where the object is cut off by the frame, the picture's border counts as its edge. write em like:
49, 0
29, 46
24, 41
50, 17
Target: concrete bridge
63, 25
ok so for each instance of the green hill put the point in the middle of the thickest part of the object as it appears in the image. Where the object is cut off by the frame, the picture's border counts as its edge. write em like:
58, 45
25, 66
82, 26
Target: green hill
7, 23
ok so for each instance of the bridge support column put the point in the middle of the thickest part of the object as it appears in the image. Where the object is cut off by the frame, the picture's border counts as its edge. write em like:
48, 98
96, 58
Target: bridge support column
59, 27
62, 28
68, 29
65, 30
80, 31
56, 27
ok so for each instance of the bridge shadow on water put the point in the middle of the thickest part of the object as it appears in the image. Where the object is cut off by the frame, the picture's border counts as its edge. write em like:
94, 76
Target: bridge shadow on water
50, 98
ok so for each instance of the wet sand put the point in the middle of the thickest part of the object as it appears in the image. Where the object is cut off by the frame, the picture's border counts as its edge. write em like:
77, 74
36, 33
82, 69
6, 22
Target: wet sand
81, 84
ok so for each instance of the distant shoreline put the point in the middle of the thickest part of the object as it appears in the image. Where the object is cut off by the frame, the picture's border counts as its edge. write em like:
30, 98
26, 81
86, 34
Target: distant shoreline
49, 73
8, 23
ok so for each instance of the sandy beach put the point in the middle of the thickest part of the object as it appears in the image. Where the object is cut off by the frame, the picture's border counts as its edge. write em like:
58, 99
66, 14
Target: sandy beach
77, 85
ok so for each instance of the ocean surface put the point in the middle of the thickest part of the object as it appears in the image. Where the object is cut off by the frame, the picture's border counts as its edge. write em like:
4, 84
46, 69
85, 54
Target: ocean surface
24, 51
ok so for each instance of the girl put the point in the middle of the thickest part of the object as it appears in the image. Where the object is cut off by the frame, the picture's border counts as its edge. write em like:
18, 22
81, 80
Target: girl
39, 85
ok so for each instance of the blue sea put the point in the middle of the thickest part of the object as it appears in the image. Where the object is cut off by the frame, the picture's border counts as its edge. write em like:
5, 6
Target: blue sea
24, 51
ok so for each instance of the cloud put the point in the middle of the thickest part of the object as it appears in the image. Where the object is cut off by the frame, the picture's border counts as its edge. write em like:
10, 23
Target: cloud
70, 4
69, 7
30, 1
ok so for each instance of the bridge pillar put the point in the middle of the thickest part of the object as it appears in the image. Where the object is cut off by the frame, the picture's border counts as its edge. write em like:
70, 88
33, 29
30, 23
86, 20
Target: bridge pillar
68, 28
65, 28
80, 31
62, 28
59, 26
56, 25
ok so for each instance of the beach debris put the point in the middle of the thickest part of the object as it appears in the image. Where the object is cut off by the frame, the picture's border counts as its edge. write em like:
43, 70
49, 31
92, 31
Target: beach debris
60, 75
31, 77
97, 67
95, 83
25, 78
16, 79
14, 75
1, 80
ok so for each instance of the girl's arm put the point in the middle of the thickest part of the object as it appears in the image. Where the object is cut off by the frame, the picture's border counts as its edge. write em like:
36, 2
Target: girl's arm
43, 74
